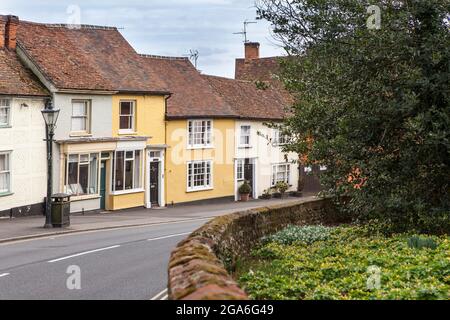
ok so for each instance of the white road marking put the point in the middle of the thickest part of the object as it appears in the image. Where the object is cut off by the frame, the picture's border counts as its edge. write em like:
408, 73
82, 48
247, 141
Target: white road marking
83, 253
159, 295
171, 236
4, 275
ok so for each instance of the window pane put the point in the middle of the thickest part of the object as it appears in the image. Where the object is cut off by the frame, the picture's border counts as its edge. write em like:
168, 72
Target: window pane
137, 170
4, 162
78, 124
84, 179
119, 159
72, 175
126, 108
5, 102
128, 175
93, 176
4, 116
125, 122
4, 182
79, 109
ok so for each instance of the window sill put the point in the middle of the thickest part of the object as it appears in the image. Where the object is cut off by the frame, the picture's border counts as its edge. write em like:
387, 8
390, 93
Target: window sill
80, 135
86, 197
6, 194
200, 147
5, 127
127, 133
120, 193
200, 190
245, 147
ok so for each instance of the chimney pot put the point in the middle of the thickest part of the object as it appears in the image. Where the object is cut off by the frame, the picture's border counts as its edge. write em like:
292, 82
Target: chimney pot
11, 31
252, 50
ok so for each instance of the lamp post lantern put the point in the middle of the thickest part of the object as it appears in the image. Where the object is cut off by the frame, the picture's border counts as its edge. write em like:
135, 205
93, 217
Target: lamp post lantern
50, 115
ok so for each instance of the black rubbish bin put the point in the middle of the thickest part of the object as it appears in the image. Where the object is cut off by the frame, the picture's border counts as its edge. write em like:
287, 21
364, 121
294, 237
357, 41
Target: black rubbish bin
61, 210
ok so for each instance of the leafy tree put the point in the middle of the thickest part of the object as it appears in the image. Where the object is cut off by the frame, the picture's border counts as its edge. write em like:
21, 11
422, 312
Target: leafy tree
372, 104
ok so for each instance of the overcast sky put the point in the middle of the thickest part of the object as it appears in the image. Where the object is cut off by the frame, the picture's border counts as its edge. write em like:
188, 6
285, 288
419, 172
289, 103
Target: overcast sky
163, 27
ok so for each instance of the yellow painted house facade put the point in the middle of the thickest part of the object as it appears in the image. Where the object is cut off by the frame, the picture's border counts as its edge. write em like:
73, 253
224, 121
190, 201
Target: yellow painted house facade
137, 169
199, 163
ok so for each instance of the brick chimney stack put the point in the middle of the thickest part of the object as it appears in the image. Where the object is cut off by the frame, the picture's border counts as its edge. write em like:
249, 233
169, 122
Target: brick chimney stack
3, 20
11, 32
251, 50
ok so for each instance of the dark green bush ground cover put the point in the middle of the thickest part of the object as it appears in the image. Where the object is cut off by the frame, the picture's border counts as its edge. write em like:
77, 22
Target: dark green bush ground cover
336, 266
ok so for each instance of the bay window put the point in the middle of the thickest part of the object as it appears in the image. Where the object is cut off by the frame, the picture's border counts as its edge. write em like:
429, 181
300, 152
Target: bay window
82, 174
5, 172
200, 133
127, 166
199, 175
281, 173
5, 111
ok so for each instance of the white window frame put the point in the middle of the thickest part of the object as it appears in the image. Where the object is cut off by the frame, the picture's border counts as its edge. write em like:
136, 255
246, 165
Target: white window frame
240, 164
279, 139
135, 188
246, 135
275, 170
5, 103
207, 136
193, 188
97, 193
86, 117
7, 173
133, 116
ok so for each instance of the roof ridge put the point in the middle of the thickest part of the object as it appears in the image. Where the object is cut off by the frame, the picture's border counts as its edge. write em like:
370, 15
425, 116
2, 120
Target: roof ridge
229, 79
71, 26
152, 56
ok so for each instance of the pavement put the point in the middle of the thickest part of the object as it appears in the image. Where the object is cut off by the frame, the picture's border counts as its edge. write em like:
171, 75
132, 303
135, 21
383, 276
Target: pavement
32, 227
119, 256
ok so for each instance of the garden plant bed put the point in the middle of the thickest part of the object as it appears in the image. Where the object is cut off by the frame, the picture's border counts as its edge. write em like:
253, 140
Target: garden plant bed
338, 264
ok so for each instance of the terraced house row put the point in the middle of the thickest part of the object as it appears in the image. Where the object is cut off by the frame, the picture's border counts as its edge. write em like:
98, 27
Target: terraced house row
134, 130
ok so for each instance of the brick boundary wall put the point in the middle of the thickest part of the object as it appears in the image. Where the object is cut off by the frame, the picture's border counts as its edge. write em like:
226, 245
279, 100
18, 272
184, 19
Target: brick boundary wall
198, 266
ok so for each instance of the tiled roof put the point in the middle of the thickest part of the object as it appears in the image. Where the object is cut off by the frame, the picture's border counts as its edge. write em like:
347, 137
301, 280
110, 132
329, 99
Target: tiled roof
249, 101
192, 96
16, 79
86, 58
262, 69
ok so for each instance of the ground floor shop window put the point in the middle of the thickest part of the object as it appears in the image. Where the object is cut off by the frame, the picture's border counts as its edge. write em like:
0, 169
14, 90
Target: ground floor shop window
82, 174
127, 170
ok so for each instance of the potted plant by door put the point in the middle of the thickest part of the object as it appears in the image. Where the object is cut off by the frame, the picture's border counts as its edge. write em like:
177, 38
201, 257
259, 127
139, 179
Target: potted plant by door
282, 187
244, 190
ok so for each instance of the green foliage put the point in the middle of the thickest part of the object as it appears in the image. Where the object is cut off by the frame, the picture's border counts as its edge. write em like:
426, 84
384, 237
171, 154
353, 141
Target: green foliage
282, 187
245, 188
261, 85
422, 243
304, 234
338, 269
372, 105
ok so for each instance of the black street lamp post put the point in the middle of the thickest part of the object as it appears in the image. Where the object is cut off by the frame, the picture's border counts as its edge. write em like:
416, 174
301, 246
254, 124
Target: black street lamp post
50, 115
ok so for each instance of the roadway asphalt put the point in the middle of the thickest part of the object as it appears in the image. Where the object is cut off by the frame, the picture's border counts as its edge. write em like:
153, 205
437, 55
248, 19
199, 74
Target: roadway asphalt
124, 264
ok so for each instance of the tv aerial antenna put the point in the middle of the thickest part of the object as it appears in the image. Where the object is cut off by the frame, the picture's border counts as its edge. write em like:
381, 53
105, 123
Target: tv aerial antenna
193, 56
244, 31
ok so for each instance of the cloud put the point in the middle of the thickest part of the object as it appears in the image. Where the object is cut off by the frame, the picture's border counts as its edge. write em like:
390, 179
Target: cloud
165, 27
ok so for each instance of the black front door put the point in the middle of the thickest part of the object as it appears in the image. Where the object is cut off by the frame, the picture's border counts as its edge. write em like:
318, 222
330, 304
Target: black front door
248, 173
154, 183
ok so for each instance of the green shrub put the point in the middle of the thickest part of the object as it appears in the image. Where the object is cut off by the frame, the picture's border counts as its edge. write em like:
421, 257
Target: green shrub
282, 187
422, 243
337, 268
304, 234
245, 188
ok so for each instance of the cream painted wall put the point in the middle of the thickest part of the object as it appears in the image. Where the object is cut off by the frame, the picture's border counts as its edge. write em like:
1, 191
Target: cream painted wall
265, 155
178, 155
25, 138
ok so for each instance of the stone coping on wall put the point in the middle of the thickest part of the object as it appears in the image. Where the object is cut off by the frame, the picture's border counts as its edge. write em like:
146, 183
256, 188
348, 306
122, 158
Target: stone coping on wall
198, 266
